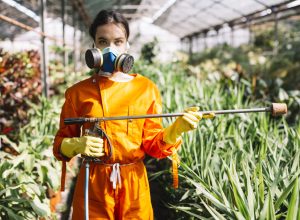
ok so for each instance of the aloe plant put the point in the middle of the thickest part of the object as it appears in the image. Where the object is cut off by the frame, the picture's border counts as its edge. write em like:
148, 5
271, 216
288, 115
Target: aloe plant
242, 166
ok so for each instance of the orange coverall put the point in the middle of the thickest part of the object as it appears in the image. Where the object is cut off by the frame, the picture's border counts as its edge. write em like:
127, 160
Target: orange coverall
97, 97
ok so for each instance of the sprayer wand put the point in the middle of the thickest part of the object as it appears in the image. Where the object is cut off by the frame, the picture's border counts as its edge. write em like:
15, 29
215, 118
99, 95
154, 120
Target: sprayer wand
275, 109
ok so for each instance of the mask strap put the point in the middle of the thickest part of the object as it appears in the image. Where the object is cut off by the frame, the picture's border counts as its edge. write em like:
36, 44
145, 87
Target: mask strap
127, 45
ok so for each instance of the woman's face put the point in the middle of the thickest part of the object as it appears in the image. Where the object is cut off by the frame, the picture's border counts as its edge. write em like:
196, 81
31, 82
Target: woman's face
111, 35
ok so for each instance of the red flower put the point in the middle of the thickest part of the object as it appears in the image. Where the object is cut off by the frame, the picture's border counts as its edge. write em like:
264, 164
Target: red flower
7, 130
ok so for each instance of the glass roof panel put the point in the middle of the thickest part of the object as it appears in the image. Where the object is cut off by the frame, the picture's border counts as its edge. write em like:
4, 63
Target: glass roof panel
245, 6
184, 16
193, 15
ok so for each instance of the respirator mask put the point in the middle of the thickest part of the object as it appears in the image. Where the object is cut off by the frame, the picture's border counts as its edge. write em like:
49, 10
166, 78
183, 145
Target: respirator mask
108, 60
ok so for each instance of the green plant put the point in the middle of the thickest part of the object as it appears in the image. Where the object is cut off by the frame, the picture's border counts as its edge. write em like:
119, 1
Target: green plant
241, 166
27, 176
19, 80
149, 51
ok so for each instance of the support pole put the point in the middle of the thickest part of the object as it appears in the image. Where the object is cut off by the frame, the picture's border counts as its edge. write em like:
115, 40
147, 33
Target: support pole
251, 37
63, 34
44, 68
217, 37
276, 42
205, 39
74, 40
232, 35
190, 43
190, 46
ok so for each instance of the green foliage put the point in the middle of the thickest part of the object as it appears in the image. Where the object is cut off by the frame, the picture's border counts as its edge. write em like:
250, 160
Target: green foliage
240, 166
29, 172
265, 60
19, 80
149, 51
27, 175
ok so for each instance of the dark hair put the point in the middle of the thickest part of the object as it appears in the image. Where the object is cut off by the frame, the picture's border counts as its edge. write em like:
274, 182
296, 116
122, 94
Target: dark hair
105, 17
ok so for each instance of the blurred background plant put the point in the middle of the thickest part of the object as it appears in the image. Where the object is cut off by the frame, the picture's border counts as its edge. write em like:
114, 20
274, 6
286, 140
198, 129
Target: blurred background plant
20, 80
30, 175
149, 51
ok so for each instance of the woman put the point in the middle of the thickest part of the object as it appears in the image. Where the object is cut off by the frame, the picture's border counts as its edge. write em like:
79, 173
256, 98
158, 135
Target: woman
114, 93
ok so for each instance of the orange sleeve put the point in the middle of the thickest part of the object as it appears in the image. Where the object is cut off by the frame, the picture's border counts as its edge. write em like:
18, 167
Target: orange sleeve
68, 111
153, 143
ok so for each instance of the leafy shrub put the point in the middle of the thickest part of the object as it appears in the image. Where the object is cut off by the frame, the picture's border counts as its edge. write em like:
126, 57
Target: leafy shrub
19, 81
28, 176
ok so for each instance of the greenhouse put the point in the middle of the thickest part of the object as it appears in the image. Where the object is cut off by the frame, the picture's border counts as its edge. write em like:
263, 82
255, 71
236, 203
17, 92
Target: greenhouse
148, 109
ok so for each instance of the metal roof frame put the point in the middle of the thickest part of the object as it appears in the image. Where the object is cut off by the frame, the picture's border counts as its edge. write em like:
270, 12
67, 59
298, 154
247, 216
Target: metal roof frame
184, 18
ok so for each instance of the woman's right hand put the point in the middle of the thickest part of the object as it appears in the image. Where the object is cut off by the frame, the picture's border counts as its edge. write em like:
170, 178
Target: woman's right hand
85, 145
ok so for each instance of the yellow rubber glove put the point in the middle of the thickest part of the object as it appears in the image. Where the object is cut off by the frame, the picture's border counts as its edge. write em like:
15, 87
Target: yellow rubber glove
187, 122
85, 145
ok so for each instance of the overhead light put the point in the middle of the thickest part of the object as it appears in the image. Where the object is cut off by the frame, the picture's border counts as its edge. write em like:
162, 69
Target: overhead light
293, 4
244, 19
23, 9
266, 12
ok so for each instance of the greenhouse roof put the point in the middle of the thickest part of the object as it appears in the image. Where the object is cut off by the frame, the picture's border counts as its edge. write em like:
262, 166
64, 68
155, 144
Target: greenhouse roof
26, 13
181, 17
189, 16
186, 17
